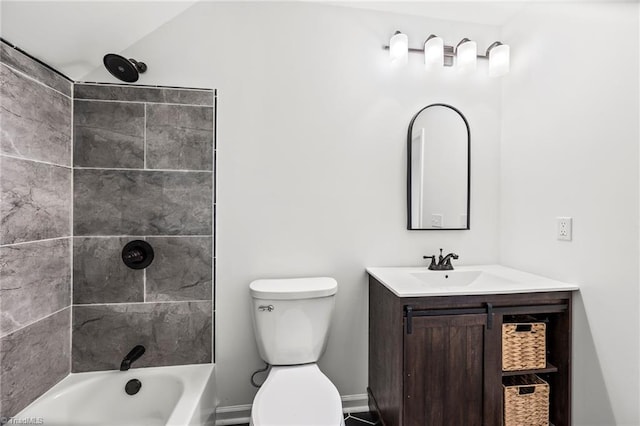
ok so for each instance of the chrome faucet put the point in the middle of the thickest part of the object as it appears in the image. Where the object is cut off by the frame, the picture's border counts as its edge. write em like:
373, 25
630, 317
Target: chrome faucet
133, 355
444, 262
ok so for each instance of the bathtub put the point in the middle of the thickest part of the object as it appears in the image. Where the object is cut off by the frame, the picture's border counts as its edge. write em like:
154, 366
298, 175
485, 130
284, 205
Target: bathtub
176, 396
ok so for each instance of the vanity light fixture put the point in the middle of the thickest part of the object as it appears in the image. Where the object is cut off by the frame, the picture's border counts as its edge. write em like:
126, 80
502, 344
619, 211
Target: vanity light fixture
433, 52
437, 54
399, 48
498, 54
467, 56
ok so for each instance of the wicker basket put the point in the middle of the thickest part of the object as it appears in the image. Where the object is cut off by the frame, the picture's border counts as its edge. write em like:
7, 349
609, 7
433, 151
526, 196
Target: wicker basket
523, 346
526, 401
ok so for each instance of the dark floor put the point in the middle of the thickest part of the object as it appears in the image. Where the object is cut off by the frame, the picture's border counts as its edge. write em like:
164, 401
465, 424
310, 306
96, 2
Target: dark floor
352, 419
360, 419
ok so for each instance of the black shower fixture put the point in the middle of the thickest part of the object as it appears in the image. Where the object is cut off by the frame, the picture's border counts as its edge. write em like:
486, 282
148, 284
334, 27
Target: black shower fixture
137, 254
122, 68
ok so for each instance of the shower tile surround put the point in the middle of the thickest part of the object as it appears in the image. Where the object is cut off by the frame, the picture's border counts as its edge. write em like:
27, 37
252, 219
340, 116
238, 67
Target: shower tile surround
35, 229
143, 169
84, 170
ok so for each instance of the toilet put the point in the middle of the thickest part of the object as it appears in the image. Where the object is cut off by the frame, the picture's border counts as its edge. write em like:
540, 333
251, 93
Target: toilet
291, 319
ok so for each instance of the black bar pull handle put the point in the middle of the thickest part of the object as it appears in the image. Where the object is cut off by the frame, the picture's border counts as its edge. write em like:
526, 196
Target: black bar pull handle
409, 315
489, 316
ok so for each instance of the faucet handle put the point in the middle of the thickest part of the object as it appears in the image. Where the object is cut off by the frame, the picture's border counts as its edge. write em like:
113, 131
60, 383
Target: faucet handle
433, 261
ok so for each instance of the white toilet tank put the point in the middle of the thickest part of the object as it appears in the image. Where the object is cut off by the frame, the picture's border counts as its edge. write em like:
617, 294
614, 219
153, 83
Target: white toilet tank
291, 318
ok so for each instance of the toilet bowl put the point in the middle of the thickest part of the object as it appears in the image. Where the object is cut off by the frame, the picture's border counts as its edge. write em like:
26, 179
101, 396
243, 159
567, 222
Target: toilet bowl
296, 396
291, 319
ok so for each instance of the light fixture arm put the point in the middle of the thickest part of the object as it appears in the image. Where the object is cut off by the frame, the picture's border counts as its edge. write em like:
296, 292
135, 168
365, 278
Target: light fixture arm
464, 40
494, 44
429, 38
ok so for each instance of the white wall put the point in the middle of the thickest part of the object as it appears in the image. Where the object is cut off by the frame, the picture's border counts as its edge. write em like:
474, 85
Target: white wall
570, 148
311, 157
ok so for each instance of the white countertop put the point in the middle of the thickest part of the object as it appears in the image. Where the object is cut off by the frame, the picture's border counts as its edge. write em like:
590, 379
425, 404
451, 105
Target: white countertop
464, 280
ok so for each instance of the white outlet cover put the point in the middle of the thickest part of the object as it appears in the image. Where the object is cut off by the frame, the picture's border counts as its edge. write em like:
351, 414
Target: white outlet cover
564, 230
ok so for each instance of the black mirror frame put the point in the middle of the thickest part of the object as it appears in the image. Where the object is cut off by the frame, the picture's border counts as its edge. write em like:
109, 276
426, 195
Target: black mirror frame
466, 123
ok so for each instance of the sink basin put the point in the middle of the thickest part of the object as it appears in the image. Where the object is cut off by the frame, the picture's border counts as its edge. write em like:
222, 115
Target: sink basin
447, 279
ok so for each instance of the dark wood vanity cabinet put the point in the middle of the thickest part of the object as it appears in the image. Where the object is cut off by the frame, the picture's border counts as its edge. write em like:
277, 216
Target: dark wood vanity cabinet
443, 363
437, 360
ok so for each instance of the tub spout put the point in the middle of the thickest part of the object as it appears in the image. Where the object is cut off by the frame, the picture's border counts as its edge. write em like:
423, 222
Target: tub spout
133, 355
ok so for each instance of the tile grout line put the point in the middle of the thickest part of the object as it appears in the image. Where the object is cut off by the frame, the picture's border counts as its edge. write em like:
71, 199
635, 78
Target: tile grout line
144, 139
352, 416
35, 241
143, 170
144, 285
214, 225
27, 76
144, 280
144, 102
142, 86
2, 336
23, 54
73, 119
137, 236
149, 302
15, 157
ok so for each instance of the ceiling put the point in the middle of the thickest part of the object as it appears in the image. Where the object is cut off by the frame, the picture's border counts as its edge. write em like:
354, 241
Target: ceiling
477, 11
73, 36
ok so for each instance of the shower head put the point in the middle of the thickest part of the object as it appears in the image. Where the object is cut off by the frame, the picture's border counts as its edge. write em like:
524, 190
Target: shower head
122, 68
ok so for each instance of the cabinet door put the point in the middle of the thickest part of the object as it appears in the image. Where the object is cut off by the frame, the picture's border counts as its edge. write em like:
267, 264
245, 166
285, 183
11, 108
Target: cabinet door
443, 365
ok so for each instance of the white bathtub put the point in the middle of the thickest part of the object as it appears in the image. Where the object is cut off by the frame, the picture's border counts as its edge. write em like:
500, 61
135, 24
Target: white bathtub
176, 396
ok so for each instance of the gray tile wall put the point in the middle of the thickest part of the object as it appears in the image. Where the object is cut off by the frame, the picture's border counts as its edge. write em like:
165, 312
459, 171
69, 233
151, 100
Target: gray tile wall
172, 333
136, 202
34, 114
35, 202
108, 134
130, 93
34, 359
143, 169
35, 229
141, 160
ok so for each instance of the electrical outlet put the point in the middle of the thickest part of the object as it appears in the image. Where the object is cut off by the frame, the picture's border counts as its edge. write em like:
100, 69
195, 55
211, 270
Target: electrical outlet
436, 220
564, 228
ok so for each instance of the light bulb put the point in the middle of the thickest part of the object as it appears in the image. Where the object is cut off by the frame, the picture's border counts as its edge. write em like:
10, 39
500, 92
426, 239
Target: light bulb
399, 48
433, 52
498, 59
467, 56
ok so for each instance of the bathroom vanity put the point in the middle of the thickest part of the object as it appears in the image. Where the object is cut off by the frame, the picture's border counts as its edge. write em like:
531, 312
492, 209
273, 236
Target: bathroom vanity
435, 343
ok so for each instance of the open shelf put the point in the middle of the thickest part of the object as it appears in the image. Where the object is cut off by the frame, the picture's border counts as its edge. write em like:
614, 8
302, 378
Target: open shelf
550, 368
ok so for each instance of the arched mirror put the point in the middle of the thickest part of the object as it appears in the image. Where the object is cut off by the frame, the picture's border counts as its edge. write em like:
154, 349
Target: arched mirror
438, 169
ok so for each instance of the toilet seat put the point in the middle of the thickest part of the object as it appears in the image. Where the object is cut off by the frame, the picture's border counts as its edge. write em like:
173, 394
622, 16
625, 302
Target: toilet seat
298, 395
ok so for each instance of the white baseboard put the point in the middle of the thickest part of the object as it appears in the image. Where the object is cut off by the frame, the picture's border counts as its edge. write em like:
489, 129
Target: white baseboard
233, 415
239, 414
355, 403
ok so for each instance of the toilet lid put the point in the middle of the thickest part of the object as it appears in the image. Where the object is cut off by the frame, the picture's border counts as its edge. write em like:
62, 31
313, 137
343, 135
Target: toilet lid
297, 396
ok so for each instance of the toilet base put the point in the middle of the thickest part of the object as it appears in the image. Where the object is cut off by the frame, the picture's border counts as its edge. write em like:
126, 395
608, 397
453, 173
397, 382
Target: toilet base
299, 395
